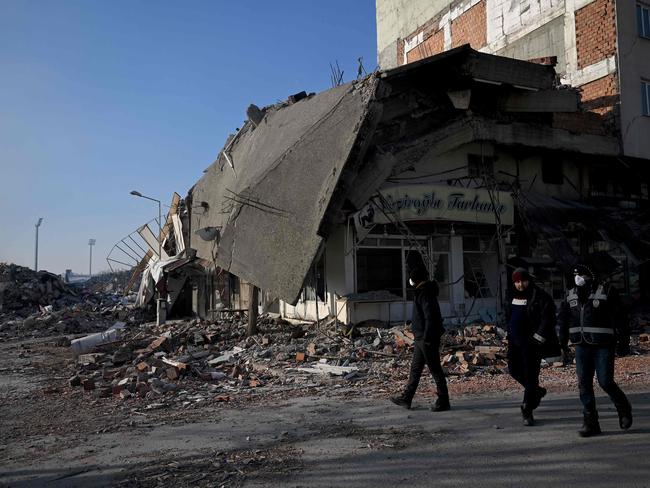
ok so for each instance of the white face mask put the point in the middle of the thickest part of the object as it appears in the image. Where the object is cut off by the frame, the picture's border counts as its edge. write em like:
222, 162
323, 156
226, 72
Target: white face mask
580, 280
411, 282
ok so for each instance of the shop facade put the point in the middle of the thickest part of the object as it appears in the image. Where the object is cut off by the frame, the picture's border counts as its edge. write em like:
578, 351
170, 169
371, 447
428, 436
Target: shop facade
449, 230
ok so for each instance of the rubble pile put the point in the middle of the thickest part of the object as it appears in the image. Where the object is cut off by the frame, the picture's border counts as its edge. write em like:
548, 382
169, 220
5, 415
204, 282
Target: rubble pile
190, 361
476, 348
39, 304
23, 291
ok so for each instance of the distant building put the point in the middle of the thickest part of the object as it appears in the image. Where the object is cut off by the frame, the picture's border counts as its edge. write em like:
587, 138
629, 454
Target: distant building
74, 278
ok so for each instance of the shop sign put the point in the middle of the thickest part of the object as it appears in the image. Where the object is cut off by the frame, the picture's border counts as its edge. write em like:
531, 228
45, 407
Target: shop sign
434, 202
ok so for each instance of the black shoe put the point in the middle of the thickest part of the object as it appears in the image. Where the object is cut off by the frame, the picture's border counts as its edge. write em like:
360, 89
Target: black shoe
401, 401
527, 416
440, 405
590, 426
625, 418
541, 393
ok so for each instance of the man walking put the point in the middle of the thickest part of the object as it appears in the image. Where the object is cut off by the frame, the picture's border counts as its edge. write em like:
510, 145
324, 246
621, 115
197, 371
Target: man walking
592, 318
531, 336
427, 329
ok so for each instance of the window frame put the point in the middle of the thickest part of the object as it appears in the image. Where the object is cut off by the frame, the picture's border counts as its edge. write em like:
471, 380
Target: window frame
431, 244
552, 171
643, 20
645, 98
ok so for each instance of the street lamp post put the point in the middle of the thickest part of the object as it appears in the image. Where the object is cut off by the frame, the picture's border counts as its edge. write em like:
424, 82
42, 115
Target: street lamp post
160, 312
91, 243
38, 224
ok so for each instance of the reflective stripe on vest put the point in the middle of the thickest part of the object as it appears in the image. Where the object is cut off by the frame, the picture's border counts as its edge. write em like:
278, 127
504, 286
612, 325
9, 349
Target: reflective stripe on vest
592, 330
598, 294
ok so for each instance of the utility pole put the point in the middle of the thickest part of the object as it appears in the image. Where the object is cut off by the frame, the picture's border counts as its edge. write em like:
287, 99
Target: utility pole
38, 224
91, 243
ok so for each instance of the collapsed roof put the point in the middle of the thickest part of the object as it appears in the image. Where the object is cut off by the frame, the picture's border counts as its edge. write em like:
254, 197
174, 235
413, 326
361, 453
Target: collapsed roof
297, 169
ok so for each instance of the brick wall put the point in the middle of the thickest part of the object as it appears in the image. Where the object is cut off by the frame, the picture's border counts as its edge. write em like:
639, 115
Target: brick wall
595, 32
600, 96
470, 27
581, 123
433, 44
429, 30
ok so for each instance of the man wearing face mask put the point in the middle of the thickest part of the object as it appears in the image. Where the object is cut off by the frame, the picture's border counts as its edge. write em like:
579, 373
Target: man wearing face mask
591, 317
531, 337
427, 329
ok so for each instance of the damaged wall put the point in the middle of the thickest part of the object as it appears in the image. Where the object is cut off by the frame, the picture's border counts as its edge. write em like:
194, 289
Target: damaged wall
594, 44
534, 170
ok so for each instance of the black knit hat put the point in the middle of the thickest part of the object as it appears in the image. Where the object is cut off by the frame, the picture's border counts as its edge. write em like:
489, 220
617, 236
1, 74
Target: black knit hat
520, 274
418, 275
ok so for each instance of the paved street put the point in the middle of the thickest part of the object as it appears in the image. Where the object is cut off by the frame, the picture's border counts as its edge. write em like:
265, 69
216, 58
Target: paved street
315, 442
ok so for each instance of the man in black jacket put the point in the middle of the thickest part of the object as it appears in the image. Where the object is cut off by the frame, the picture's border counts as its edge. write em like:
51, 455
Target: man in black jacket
427, 329
592, 318
531, 337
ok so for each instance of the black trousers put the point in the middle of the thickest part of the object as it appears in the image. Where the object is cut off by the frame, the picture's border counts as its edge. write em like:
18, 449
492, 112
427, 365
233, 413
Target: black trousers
597, 360
429, 354
523, 365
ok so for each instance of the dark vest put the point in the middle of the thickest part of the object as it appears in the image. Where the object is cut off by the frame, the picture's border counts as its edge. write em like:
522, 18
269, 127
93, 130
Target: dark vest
591, 322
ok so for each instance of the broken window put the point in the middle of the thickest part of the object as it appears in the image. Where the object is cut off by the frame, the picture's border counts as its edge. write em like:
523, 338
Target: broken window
552, 171
233, 284
479, 266
315, 282
439, 251
479, 166
616, 184
383, 263
379, 269
441, 274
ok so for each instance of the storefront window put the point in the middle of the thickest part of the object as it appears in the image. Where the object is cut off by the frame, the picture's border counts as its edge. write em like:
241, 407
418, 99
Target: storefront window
383, 263
315, 282
479, 266
441, 274
379, 269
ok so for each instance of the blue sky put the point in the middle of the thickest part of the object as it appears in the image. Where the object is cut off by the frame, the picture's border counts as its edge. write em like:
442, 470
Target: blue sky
98, 98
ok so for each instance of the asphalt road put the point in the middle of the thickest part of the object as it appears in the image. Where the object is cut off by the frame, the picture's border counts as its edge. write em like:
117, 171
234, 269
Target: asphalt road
320, 442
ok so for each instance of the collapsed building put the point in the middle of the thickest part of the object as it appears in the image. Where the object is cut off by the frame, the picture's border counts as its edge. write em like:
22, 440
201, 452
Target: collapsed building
458, 162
